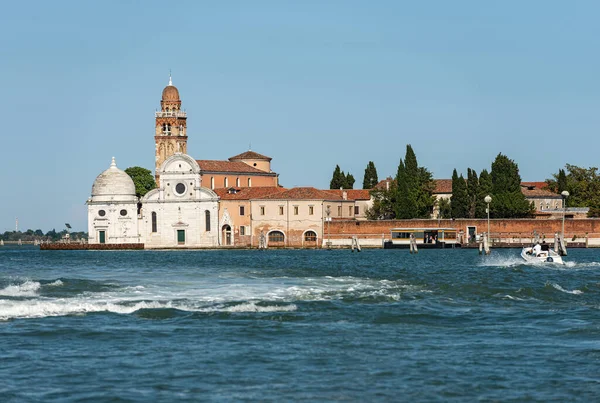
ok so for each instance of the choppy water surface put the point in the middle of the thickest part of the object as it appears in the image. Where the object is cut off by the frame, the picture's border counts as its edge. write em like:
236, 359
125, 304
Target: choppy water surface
381, 325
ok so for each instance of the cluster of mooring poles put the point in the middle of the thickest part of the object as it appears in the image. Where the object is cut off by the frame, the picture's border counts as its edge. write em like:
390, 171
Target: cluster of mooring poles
413, 244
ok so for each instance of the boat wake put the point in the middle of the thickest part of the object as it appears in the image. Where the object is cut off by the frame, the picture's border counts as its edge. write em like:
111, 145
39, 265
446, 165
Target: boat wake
559, 288
27, 298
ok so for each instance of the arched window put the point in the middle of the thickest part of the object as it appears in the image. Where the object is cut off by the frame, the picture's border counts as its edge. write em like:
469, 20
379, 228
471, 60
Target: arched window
181, 130
237, 182
249, 182
207, 218
154, 224
212, 182
225, 182
276, 236
166, 128
310, 236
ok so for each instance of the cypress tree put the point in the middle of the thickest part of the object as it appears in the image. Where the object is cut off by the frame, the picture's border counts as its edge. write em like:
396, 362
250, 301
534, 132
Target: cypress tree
485, 189
370, 178
507, 199
561, 181
472, 191
425, 197
403, 209
414, 195
459, 202
348, 182
337, 179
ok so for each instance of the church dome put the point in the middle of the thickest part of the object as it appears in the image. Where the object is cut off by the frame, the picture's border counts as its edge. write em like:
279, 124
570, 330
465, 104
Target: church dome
113, 185
170, 93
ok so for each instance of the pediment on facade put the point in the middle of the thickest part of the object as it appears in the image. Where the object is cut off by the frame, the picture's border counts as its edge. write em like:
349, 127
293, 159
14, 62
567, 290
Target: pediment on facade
226, 218
179, 163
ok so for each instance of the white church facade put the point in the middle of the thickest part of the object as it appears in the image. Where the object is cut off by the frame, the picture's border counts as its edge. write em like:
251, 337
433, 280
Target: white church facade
180, 213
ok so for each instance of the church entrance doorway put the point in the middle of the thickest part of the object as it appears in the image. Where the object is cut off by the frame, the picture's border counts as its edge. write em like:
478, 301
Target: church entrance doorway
102, 236
180, 237
226, 235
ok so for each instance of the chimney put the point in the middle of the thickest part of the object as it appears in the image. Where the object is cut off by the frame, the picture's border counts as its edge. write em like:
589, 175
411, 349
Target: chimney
345, 195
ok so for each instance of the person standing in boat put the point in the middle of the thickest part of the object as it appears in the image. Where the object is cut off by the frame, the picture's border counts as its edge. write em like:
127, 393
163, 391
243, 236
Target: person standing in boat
537, 249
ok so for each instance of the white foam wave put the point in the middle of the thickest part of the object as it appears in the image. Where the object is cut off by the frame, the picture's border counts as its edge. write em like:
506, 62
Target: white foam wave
64, 307
512, 298
501, 261
236, 295
56, 283
252, 307
27, 289
574, 292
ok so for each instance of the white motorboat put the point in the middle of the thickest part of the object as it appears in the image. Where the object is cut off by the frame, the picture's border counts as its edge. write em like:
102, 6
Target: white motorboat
543, 256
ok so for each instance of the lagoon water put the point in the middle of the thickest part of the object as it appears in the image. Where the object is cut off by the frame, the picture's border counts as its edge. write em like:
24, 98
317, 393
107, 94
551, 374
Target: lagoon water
297, 325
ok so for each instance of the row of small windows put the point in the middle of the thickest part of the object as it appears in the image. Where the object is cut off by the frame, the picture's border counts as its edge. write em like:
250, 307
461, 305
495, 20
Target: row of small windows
206, 218
166, 129
102, 213
549, 206
238, 182
279, 237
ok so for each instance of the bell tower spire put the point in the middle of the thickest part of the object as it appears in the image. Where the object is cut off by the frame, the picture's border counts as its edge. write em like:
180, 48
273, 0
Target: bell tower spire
170, 127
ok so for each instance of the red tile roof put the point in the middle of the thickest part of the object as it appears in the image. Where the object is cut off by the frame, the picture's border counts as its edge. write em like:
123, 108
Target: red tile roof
351, 194
247, 193
539, 185
530, 190
443, 186
250, 155
230, 167
384, 184
303, 193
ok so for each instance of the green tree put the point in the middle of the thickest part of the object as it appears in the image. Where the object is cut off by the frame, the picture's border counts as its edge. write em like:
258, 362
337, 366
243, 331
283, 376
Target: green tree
143, 180
459, 201
485, 189
348, 181
384, 202
583, 185
472, 192
415, 186
444, 207
336, 180
340, 180
370, 178
507, 199
402, 208
561, 181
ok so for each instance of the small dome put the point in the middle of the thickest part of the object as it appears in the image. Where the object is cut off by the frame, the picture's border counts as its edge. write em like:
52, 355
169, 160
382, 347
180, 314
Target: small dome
170, 93
113, 184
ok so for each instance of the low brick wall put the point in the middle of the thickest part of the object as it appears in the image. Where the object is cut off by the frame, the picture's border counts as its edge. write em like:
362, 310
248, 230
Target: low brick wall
499, 228
103, 246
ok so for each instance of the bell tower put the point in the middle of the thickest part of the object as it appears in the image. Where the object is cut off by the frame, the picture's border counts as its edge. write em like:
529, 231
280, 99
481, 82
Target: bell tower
170, 135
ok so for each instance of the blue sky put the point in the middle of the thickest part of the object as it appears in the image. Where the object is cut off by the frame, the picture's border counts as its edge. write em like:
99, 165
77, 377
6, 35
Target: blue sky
310, 83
